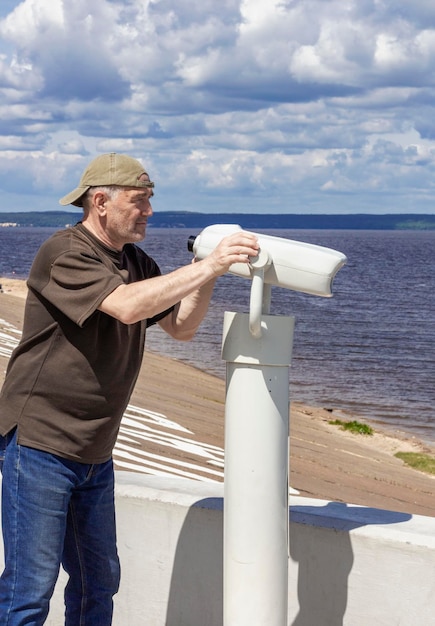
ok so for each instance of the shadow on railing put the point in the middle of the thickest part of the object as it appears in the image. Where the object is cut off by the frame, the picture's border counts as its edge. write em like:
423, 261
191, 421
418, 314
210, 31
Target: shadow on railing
323, 554
325, 562
196, 591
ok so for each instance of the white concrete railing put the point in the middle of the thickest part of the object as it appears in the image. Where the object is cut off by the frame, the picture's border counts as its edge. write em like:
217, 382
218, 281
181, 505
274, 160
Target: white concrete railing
349, 565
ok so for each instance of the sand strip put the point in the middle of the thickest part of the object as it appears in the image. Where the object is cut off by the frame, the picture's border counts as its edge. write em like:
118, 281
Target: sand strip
175, 426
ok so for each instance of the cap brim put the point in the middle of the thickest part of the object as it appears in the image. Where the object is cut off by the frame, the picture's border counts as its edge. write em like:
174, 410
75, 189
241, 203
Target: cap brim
74, 197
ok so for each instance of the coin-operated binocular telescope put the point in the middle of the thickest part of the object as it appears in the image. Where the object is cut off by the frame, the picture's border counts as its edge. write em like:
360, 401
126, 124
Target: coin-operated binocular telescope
295, 265
257, 350
286, 263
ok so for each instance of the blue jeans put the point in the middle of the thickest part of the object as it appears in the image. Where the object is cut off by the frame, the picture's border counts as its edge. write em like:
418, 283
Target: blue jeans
56, 511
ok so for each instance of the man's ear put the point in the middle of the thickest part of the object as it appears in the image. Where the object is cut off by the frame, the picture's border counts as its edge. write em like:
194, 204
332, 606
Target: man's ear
99, 201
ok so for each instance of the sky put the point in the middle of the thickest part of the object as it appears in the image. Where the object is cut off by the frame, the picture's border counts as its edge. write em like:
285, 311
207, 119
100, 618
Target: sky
250, 106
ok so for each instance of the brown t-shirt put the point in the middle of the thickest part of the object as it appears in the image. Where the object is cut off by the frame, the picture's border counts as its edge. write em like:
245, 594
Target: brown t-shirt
70, 378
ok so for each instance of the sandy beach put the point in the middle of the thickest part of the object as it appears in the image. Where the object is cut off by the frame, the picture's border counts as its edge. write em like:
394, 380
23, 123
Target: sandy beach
176, 426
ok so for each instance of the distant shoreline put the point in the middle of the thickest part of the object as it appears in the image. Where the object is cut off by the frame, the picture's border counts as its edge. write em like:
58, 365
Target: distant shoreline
278, 221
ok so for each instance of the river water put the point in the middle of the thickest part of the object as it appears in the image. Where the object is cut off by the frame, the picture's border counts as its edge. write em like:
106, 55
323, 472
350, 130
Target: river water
368, 350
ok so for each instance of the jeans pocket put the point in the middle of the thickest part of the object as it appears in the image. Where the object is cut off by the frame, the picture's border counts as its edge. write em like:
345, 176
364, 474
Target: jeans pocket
3, 445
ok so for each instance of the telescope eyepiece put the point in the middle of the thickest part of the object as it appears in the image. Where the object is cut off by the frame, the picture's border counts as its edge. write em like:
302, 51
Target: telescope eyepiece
190, 242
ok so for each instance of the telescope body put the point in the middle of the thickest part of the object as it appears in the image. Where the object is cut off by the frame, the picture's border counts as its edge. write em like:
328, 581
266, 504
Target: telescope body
290, 264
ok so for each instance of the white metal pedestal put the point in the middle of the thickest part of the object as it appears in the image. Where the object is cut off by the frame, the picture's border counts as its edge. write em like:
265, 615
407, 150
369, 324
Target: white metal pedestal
256, 470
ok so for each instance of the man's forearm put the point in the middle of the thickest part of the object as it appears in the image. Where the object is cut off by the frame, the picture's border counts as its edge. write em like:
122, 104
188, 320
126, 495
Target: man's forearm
142, 300
146, 298
188, 314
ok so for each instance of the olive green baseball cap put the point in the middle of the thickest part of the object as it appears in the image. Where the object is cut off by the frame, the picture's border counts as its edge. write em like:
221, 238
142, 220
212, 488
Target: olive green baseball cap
106, 170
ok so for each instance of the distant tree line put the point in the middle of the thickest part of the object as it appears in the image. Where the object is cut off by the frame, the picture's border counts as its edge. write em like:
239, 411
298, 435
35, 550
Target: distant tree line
278, 221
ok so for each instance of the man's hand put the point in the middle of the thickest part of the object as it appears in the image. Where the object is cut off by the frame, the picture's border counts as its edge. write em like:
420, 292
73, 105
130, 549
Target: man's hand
235, 248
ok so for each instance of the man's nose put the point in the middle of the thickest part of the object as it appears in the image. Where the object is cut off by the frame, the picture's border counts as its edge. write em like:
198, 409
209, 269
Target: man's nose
148, 209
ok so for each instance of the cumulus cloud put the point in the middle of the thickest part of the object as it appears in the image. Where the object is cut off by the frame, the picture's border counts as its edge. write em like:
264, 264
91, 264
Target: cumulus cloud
289, 105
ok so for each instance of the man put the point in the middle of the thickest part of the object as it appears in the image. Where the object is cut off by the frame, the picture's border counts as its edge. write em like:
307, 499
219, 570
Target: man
91, 295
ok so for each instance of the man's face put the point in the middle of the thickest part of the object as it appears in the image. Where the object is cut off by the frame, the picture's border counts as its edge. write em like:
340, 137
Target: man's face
127, 215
